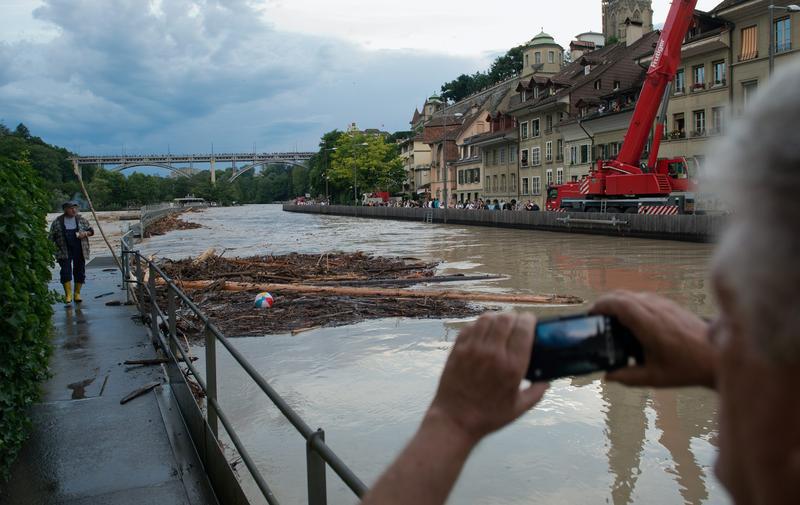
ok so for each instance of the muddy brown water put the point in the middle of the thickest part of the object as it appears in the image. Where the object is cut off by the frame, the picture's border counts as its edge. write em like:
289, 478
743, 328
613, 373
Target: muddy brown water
368, 384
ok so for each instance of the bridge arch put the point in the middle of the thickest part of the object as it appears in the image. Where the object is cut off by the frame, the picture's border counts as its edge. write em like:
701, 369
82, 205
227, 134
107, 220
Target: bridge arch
180, 170
252, 166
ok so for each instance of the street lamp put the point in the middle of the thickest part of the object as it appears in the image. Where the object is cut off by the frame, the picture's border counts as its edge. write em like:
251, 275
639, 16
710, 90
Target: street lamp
787, 8
327, 167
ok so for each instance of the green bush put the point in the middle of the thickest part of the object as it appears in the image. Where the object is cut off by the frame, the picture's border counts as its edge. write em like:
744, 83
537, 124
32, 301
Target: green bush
26, 312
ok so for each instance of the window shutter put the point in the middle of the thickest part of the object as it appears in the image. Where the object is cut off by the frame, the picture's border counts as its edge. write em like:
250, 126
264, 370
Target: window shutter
749, 44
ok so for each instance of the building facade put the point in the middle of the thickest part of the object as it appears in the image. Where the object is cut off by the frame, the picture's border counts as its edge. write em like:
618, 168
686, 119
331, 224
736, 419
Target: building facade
617, 12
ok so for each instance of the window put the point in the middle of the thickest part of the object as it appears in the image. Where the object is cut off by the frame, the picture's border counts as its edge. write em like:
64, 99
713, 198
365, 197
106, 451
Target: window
494, 183
524, 185
749, 49
748, 91
598, 84
551, 56
537, 57
461, 177
503, 182
523, 130
523, 157
616, 85
559, 149
488, 183
513, 182
512, 154
548, 151
718, 119
699, 122
574, 178
699, 76
678, 126
585, 153
536, 92
719, 72
536, 185
783, 35
494, 156
535, 127
560, 176
680, 81
527, 62
573, 155
548, 123
535, 156
549, 177
502, 154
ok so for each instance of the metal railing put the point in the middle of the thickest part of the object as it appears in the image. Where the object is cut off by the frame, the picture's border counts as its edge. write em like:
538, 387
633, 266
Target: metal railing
318, 454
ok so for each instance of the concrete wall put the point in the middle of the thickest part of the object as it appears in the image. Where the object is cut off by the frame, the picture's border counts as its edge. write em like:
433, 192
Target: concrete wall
691, 228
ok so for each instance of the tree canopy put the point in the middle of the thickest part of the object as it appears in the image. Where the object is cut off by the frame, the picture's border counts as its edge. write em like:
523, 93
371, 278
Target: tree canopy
366, 161
503, 67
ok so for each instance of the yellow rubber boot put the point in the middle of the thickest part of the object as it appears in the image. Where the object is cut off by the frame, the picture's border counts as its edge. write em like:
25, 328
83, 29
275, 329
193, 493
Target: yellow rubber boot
77, 295
68, 292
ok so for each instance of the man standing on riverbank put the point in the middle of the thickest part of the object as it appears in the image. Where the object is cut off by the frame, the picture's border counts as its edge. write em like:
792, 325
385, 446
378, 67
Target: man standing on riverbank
70, 232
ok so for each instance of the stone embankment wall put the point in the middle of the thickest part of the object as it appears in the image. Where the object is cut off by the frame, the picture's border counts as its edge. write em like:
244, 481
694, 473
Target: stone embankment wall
691, 228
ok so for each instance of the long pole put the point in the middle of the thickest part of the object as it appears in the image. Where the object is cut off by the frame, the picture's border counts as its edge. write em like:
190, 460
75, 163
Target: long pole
444, 160
771, 39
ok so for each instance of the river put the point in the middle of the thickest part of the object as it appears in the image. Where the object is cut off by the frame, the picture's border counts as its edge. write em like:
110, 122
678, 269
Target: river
368, 384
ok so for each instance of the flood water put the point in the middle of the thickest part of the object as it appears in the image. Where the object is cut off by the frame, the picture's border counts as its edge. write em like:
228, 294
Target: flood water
368, 384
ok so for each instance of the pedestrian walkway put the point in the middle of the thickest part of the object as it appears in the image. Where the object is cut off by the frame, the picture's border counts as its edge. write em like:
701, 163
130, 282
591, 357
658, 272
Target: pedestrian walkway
88, 448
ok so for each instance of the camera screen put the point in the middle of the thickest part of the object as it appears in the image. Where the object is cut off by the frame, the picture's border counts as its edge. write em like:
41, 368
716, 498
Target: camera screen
566, 333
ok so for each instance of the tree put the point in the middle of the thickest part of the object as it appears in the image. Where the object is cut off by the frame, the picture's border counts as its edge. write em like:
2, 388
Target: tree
502, 68
367, 162
22, 131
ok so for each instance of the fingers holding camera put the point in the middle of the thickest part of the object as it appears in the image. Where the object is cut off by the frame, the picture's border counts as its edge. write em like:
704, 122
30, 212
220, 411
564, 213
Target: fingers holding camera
480, 387
677, 351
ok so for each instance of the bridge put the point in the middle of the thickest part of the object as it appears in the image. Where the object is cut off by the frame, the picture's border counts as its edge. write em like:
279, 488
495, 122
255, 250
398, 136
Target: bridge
183, 164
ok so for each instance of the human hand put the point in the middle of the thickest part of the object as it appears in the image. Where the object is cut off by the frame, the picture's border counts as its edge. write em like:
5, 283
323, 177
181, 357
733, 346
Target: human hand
677, 350
479, 391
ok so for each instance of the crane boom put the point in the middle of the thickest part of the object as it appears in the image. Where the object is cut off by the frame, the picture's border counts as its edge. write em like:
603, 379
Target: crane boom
666, 57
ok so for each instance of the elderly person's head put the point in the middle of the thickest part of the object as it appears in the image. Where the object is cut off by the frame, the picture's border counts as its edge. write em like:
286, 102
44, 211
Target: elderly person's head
757, 282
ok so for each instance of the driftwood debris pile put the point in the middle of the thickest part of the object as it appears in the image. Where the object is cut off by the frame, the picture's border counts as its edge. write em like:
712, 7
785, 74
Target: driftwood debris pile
169, 223
311, 291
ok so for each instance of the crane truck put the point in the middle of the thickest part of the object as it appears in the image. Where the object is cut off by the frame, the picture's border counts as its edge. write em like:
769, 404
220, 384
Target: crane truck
625, 184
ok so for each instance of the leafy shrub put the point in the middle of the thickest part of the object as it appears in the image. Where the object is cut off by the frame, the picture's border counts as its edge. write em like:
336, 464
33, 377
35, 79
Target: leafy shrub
25, 312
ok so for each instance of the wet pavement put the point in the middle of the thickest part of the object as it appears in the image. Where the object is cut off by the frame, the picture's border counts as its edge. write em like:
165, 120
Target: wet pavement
87, 448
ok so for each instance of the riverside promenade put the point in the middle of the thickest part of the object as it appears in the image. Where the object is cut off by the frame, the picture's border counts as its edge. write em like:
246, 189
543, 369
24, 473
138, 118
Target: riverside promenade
86, 447
689, 228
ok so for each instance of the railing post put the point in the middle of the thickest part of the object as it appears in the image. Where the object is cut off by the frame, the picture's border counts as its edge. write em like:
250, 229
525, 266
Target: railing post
315, 469
211, 380
139, 284
172, 323
151, 284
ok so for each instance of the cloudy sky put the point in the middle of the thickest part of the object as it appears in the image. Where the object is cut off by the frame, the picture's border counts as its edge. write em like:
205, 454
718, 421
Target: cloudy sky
97, 75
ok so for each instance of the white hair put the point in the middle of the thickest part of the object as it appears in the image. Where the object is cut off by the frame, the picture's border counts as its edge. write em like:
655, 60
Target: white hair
756, 168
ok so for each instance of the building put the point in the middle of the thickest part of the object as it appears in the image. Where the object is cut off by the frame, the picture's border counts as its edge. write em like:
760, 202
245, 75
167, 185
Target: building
553, 147
448, 129
492, 161
620, 16
416, 156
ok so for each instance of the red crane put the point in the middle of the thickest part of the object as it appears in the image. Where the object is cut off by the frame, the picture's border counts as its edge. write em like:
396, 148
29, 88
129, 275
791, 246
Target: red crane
622, 184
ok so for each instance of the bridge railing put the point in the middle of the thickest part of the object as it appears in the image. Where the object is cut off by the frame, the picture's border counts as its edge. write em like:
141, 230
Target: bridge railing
160, 308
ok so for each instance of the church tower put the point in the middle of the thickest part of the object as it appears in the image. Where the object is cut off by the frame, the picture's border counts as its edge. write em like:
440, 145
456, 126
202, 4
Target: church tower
620, 15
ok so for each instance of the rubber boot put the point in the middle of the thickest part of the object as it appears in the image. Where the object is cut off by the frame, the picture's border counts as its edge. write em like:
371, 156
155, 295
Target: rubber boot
77, 295
68, 292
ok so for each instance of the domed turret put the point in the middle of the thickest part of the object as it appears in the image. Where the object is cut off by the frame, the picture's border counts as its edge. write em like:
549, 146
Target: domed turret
542, 55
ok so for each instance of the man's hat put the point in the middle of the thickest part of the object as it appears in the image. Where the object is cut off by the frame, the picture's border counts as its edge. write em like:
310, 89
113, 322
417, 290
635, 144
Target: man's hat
71, 203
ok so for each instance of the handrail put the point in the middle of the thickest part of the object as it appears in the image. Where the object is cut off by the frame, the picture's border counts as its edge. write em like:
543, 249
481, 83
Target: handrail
319, 453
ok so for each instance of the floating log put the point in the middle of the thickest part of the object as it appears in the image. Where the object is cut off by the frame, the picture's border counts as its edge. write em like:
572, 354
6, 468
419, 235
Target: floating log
139, 392
409, 281
152, 361
468, 296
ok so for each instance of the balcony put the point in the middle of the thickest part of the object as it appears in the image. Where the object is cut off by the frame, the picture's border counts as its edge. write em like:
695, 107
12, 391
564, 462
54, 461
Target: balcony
676, 135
